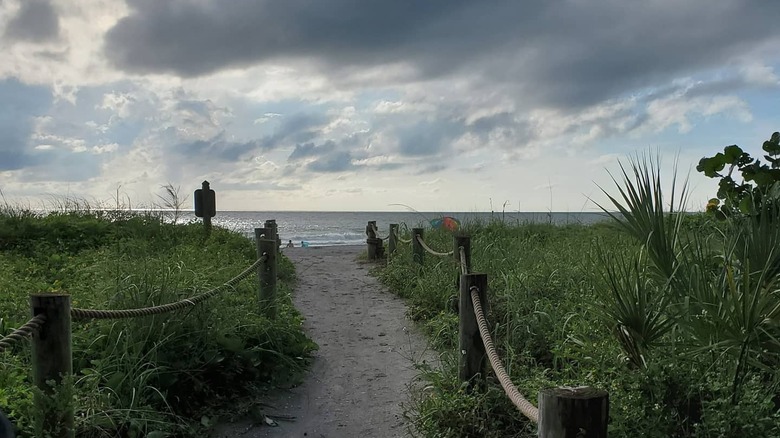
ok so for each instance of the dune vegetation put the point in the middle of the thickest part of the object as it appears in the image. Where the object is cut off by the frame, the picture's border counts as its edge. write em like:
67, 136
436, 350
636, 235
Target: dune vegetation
169, 375
675, 314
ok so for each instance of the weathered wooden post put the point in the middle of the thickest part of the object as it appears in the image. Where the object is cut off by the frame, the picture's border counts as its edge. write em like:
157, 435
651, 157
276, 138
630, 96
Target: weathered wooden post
418, 251
472, 361
374, 244
266, 271
52, 361
392, 241
205, 205
464, 241
273, 232
580, 412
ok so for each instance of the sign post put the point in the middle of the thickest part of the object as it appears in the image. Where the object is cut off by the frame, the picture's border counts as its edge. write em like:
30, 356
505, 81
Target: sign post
205, 204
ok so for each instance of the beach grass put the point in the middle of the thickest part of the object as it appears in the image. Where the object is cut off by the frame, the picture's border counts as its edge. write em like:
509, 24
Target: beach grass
167, 375
682, 334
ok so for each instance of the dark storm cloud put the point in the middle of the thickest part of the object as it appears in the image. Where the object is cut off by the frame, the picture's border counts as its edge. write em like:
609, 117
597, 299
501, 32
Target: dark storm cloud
556, 53
20, 105
296, 128
433, 168
311, 150
217, 149
36, 21
484, 125
387, 166
246, 31
331, 156
428, 138
328, 157
259, 186
338, 161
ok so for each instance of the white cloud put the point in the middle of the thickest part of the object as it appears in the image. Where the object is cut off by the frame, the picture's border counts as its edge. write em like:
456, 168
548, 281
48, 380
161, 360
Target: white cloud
488, 117
760, 75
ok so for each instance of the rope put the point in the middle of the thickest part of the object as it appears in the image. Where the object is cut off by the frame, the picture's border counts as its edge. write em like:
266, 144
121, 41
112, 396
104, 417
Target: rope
376, 233
398, 236
155, 310
525, 407
22, 332
428, 248
464, 269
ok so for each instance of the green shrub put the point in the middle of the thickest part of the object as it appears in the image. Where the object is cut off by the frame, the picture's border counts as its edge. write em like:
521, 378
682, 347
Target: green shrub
172, 374
550, 295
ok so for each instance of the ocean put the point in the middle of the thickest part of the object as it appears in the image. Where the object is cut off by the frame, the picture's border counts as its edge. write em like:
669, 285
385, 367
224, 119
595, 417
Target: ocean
348, 228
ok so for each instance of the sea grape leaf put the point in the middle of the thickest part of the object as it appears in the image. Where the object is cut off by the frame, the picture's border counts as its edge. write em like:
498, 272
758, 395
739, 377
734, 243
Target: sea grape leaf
746, 205
711, 166
763, 178
772, 146
733, 153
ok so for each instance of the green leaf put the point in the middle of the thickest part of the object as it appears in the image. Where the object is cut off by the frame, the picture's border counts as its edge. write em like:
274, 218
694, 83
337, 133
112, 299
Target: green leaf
763, 178
720, 214
772, 146
733, 153
711, 166
746, 205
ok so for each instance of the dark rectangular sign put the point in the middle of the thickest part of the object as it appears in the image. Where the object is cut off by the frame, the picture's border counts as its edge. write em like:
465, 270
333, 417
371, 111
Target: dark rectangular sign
205, 205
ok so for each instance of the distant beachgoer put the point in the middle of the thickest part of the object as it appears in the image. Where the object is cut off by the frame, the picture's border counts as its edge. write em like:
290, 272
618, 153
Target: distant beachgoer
304, 244
290, 244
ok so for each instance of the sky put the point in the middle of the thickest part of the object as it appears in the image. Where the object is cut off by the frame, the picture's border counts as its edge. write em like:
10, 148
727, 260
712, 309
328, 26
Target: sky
362, 105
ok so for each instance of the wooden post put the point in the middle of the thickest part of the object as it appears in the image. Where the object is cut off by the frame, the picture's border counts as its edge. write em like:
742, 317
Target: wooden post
371, 240
418, 251
208, 204
581, 412
266, 272
374, 246
52, 361
270, 224
464, 241
392, 241
472, 361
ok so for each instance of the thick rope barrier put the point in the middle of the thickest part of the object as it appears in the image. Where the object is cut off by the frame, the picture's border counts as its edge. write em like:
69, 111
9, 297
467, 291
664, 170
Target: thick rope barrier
156, 310
431, 251
22, 332
376, 233
402, 240
523, 405
464, 268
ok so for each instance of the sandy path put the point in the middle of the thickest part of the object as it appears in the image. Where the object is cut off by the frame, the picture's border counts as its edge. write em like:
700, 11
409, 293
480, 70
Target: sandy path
361, 373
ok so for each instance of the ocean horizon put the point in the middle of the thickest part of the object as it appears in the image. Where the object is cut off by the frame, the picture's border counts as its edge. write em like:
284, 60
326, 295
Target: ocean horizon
333, 228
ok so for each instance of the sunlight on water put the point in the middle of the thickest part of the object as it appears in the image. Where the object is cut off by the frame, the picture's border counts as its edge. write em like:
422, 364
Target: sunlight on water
348, 228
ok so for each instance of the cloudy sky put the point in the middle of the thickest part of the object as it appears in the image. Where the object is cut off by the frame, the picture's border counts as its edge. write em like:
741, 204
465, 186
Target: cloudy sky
361, 104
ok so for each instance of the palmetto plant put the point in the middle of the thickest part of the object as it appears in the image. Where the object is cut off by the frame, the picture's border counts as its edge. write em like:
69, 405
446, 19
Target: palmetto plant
636, 308
642, 289
642, 215
736, 312
711, 291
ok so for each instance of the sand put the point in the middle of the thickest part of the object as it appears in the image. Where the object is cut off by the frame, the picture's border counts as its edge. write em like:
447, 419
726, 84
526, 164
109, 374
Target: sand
361, 374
